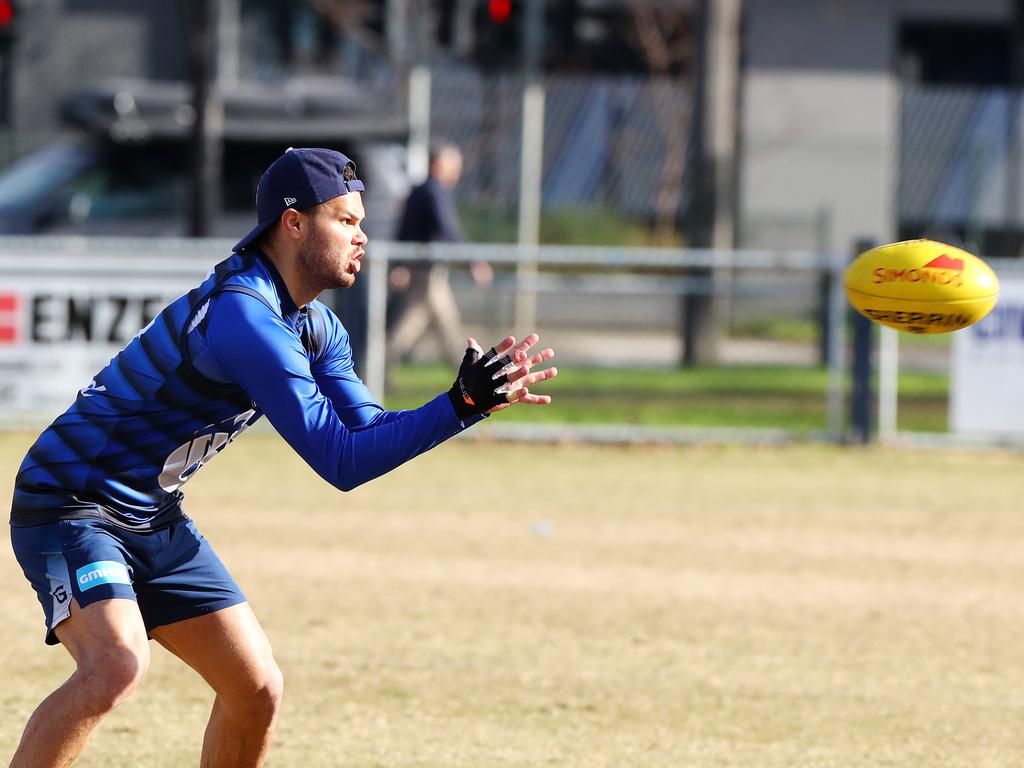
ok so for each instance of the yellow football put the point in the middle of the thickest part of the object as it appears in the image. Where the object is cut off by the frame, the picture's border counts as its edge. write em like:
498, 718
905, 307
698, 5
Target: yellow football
921, 286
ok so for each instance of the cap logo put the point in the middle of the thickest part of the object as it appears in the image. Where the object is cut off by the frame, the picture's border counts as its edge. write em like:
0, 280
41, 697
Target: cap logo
289, 201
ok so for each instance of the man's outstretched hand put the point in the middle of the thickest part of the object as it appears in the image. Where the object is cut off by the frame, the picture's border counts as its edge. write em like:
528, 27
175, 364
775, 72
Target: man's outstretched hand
493, 380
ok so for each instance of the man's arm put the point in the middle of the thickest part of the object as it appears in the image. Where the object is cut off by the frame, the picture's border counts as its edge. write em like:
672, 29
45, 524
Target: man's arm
334, 372
263, 355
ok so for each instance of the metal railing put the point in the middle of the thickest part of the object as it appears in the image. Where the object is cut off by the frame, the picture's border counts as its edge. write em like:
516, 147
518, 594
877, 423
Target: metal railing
606, 307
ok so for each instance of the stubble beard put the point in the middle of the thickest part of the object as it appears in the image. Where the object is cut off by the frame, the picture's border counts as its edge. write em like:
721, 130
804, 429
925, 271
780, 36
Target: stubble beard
325, 266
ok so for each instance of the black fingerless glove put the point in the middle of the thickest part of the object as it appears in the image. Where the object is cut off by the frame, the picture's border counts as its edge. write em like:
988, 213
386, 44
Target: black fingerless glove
475, 388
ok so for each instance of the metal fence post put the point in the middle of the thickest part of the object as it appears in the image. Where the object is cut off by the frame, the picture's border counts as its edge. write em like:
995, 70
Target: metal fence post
836, 321
826, 286
417, 160
531, 176
376, 321
700, 326
861, 396
888, 382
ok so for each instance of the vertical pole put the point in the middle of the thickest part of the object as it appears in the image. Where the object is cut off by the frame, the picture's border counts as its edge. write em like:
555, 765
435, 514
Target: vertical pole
533, 37
696, 308
531, 170
836, 358
376, 319
462, 28
713, 218
419, 123
723, 111
1013, 159
397, 29
208, 129
229, 41
888, 350
888, 382
697, 216
861, 397
826, 286
7, 88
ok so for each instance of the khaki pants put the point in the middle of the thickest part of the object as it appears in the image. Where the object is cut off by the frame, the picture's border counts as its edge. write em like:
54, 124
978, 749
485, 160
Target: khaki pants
430, 303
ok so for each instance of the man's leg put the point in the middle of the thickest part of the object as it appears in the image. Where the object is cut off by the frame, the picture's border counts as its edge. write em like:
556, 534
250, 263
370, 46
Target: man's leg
446, 316
408, 329
229, 649
107, 640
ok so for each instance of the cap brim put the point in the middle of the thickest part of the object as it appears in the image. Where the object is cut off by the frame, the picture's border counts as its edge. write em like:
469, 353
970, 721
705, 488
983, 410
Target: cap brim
254, 233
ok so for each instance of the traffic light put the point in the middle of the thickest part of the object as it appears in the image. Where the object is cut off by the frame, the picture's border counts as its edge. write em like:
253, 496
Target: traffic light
8, 18
498, 34
499, 11
8, 28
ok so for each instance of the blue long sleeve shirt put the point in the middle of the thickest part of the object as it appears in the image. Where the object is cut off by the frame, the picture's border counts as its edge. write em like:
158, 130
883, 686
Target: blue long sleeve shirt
213, 362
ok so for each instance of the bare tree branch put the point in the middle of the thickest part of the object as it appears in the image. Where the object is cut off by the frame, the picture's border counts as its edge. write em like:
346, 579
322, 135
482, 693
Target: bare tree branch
652, 42
352, 17
666, 39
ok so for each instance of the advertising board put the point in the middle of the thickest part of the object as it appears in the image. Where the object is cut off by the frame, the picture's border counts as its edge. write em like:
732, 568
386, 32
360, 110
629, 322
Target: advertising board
65, 311
987, 374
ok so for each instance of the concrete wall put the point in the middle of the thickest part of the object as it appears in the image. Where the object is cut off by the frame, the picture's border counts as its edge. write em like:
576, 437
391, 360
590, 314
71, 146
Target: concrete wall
820, 114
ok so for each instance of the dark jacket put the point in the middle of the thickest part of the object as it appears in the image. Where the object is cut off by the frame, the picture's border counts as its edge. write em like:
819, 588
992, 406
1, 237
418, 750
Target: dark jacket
430, 215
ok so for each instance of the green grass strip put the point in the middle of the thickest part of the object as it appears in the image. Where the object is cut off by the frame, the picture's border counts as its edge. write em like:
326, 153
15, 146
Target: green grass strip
723, 396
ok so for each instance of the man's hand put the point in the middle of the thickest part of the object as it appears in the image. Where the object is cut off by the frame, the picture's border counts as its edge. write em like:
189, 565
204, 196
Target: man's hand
501, 377
521, 378
482, 272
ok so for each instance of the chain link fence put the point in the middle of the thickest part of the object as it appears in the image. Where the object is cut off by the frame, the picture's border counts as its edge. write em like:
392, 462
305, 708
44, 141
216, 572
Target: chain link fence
612, 314
960, 167
615, 154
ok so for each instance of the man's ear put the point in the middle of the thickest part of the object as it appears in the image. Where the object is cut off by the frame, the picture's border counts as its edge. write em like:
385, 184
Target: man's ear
293, 224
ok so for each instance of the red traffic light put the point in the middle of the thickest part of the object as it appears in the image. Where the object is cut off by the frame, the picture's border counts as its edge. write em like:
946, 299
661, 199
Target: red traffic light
499, 10
6, 12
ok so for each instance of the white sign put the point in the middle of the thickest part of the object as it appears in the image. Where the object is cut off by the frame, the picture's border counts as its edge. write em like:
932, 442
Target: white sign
64, 313
987, 381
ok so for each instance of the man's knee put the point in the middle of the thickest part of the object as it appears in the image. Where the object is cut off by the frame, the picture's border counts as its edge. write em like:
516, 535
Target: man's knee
271, 692
111, 650
110, 677
258, 702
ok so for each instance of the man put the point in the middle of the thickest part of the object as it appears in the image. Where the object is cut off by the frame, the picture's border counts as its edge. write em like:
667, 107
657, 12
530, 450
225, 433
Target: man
421, 293
97, 521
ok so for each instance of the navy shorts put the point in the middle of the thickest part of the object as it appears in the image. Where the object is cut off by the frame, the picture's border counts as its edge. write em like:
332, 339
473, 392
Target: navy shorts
172, 573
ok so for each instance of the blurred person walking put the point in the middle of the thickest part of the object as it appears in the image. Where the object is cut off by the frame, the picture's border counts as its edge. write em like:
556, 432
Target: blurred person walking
421, 292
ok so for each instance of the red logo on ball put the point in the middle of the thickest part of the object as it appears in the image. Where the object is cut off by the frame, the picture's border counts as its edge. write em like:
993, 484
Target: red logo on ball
945, 262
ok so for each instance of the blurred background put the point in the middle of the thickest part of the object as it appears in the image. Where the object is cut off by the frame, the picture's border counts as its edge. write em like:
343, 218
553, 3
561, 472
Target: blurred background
668, 190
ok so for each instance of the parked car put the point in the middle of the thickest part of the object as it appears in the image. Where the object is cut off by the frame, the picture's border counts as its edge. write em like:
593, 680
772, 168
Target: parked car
128, 171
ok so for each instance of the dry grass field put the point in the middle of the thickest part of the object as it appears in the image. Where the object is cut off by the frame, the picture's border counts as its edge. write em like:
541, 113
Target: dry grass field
510, 605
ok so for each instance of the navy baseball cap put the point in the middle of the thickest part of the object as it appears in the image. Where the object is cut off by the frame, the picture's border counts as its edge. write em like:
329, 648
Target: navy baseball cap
300, 179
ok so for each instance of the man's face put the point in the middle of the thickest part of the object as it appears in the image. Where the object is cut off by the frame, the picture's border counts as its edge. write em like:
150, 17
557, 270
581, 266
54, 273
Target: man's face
330, 256
448, 167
